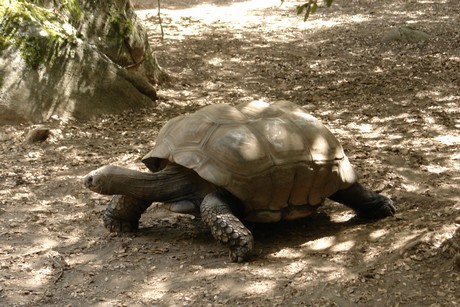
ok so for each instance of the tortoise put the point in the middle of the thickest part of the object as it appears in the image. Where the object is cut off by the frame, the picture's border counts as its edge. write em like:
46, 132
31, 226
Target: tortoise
255, 162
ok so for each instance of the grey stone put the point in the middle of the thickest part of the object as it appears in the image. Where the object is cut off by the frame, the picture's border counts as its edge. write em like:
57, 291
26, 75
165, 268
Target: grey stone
405, 34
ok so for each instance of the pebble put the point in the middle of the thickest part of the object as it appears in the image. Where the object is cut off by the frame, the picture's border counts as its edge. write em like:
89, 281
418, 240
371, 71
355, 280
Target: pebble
37, 135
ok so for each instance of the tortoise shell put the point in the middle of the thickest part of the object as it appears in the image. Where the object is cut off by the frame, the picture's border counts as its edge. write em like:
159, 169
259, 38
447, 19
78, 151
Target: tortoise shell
278, 160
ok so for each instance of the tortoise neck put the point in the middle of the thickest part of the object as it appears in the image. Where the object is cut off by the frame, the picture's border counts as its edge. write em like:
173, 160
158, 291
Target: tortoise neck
171, 184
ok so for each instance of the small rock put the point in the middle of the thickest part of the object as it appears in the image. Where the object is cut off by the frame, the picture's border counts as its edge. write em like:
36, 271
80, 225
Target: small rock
38, 135
405, 34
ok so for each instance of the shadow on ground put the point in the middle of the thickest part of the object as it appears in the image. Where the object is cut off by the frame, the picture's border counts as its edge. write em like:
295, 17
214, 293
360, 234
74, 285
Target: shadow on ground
395, 107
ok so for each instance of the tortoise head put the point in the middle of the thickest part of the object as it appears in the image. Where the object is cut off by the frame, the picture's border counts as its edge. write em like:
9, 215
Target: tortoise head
104, 180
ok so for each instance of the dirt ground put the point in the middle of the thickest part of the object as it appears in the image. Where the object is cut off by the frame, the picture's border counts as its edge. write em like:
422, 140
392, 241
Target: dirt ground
394, 106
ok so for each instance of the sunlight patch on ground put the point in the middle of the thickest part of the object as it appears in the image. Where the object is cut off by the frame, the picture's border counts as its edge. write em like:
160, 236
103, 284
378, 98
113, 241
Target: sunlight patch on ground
436, 169
23, 196
431, 1
156, 292
439, 96
341, 217
411, 187
455, 156
363, 128
93, 259
343, 246
46, 243
287, 253
216, 61
445, 233
450, 98
378, 234
329, 243
448, 139
261, 286
242, 16
234, 12
320, 244
395, 137
41, 276
295, 267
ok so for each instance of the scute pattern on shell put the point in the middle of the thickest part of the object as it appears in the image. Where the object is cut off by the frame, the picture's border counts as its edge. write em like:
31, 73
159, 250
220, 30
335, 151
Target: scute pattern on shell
278, 160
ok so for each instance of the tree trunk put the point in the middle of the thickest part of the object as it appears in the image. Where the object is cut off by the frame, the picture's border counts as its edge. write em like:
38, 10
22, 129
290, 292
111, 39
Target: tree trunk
78, 58
115, 29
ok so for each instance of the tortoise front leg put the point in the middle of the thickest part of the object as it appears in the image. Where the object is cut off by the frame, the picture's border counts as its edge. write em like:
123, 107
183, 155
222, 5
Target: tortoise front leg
225, 226
366, 203
124, 212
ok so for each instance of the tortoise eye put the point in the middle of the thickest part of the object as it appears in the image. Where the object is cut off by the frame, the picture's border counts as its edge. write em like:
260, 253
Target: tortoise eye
88, 181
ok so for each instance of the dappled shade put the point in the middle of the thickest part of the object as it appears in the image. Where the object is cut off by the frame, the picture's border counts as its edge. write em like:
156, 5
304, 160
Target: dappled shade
394, 107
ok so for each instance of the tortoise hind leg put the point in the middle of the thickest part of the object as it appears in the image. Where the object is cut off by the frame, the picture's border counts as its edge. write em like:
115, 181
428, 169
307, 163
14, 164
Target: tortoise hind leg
225, 226
366, 203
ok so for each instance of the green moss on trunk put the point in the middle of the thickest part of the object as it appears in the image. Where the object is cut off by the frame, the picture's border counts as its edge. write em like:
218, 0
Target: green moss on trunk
37, 32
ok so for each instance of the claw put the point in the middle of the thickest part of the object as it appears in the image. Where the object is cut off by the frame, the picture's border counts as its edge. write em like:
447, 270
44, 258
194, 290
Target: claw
113, 224
381, 209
